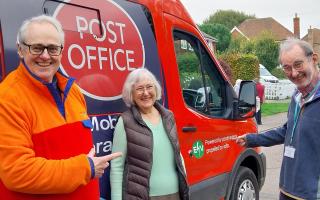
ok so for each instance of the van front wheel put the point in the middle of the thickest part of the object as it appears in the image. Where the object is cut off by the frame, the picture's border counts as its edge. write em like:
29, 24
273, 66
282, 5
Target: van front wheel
245, 186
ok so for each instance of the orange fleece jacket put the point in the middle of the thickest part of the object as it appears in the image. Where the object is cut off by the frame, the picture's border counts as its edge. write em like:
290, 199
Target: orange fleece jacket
43, 150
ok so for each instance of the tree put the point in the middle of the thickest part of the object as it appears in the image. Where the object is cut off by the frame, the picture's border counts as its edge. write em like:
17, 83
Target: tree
264, 47
188, 62
242, 45
228, 18
220, 32
267, 50
235, 44
188, 68
248, 47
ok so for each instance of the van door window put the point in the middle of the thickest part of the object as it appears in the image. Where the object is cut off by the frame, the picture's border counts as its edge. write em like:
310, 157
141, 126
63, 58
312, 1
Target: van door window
203, 87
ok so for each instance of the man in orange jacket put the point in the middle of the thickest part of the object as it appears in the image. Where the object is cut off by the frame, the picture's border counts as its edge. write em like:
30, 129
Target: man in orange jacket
45, 135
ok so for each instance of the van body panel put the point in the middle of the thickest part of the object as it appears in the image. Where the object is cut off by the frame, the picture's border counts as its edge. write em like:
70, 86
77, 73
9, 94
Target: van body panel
2, 66
203, 190
156, 29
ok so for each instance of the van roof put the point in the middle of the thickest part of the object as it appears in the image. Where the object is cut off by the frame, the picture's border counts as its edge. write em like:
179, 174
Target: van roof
172, 7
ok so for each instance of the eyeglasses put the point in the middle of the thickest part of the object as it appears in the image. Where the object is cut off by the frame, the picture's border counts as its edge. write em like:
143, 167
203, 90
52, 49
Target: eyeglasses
141, 89
297, 65
38, 49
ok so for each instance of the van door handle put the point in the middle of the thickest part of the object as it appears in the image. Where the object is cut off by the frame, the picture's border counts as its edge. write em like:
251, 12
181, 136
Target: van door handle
189, 129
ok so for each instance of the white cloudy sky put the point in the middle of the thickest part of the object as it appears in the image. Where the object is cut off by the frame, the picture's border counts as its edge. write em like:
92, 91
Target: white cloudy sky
281, 10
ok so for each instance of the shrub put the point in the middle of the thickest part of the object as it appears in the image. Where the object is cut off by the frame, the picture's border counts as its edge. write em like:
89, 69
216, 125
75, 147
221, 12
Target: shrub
244, 66
188, 62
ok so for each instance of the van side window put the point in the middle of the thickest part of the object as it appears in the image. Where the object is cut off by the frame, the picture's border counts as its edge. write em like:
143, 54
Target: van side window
203, 87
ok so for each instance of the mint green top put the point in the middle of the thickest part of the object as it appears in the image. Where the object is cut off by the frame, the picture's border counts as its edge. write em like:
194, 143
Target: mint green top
164, 178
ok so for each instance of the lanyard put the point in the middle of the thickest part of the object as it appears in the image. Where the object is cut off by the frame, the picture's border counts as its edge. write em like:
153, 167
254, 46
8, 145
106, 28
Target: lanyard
295, 120
298, 110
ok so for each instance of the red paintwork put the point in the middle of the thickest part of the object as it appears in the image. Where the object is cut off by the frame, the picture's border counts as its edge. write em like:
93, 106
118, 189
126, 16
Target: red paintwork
167, 16
170, 15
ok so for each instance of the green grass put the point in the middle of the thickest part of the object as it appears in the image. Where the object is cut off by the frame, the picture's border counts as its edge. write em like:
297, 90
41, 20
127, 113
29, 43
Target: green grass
274, 108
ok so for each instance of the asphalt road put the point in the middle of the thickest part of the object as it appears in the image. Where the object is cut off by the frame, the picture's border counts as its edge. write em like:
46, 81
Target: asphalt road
270, 189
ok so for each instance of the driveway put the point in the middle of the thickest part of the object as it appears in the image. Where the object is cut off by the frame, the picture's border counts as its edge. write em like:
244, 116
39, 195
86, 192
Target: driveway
270, 190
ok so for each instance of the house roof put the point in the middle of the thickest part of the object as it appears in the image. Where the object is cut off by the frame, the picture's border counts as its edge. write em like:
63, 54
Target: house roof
316, 35
251, 28
235, 29
209, 36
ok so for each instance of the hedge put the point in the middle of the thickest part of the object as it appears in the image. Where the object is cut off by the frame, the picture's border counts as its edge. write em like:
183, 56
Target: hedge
244, 66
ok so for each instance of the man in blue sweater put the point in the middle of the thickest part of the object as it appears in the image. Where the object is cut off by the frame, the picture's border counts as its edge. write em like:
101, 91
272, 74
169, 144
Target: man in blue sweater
300, 170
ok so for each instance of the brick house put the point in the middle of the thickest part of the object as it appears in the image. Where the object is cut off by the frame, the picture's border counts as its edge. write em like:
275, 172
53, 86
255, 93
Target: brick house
183, 46
313, 37
211, 41
252, 28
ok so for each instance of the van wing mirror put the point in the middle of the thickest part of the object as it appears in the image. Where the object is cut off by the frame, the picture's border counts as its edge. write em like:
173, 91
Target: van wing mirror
247, 99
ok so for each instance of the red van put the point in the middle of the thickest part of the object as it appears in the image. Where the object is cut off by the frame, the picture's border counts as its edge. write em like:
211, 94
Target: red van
105, 40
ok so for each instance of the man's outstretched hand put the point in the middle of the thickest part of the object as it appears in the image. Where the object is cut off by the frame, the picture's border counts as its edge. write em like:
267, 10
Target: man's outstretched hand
101, 163
241, 140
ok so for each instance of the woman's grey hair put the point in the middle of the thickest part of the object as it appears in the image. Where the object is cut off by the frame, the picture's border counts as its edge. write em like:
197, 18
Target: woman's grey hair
134, 77
289, 43
21, 37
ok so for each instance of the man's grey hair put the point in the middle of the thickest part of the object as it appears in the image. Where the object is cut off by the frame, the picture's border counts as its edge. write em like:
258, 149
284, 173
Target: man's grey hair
289, 43
21, 37
134, 77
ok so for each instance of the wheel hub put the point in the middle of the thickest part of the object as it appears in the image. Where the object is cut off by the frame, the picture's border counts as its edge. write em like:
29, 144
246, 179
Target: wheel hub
246, 191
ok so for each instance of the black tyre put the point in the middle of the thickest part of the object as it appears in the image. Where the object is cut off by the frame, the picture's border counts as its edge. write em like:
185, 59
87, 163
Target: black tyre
245, 186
